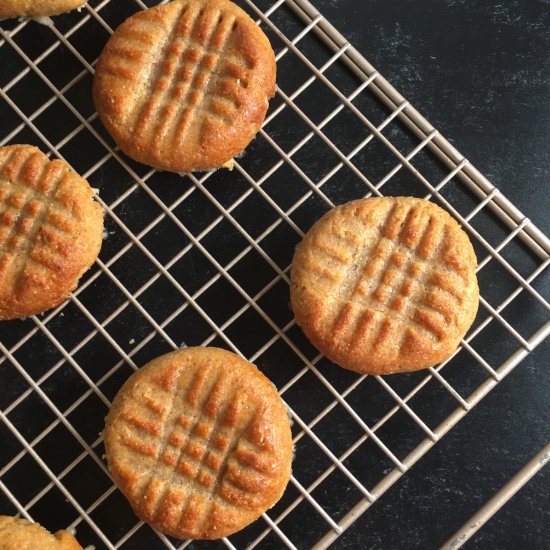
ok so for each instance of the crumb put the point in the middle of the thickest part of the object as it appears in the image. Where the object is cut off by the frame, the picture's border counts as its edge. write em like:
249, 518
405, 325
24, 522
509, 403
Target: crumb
289, 414
42, 19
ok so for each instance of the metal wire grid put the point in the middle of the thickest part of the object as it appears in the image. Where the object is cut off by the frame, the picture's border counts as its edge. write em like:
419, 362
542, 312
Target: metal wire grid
216, 248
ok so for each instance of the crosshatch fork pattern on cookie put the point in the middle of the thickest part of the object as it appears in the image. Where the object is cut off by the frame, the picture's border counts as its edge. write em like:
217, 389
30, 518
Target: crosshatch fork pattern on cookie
200, 441
404, 256
196, 77
29, 211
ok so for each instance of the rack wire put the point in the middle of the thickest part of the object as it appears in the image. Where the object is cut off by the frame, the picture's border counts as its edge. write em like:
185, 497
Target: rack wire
203, 259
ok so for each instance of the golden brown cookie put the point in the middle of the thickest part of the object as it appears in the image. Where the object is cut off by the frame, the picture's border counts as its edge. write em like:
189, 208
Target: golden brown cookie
184, 86
199, 442
19, 534
51, 231
37, 8
385, 285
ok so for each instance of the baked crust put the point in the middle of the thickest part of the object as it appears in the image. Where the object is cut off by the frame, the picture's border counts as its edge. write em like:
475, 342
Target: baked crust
384, 285
37, 8
199, 442
19, 534
51, 231
184, 86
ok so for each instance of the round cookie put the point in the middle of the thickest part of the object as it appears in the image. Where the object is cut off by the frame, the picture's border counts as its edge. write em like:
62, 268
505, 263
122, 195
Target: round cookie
19, 534
37, 8
385, 285
184, 86
51, 230
199, 442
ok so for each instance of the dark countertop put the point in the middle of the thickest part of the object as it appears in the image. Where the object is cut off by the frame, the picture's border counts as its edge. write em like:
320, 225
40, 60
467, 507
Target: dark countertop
479, 71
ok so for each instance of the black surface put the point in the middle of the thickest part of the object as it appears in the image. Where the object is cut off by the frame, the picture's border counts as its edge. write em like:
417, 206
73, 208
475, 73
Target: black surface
479, 72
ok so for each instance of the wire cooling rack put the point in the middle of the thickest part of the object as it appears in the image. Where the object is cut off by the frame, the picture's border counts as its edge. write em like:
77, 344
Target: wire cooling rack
203, 259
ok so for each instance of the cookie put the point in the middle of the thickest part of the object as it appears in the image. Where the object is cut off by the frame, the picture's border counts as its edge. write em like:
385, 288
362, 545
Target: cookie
37, 8
19, 534
199, 442
184, 86
51, 231
385, 285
